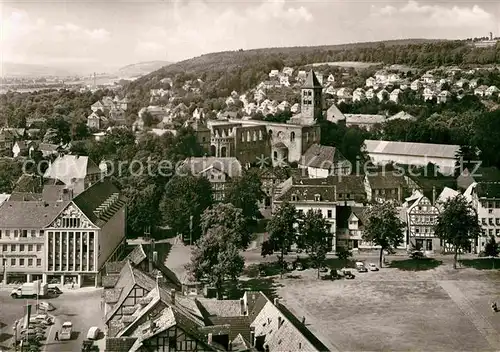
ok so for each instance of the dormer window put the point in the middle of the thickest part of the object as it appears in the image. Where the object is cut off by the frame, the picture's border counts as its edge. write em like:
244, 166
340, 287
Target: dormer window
294, 198
280, 322
317, 198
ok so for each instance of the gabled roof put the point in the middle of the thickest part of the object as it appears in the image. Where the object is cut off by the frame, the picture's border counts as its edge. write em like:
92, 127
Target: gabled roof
197, 165
29, 214
311, 81
412, 149
69, 167
320, 156
364, 119
387, 180
402, 115
447, 194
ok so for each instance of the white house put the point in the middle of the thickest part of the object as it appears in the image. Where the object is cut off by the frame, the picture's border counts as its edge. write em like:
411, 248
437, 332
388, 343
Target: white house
443, 96
274, 73
284, 81
491, 91
428, 94
461, 82
416, 85
331, 78
481, 90
473, 83
344, 94
358, 94
394, 96
323, 161
402, 115
288, 71
370, 82
428, 78
415, 154
19, 148
383, 95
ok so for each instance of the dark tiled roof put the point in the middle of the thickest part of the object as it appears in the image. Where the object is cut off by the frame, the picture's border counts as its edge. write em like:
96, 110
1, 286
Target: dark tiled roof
488, 189
308, 193
388, 180
353, 184
237, 325
320, 156
30, 214
256, 300
119, 344
96, 195
361, 214
230, 166
311, 81
137, 255
221, 308
114, 267
25, 196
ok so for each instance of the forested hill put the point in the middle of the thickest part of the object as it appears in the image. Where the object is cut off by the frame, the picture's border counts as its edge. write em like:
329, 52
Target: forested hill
243, 69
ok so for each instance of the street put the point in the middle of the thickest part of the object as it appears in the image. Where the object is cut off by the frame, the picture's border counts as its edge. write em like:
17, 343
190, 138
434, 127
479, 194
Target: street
81, 306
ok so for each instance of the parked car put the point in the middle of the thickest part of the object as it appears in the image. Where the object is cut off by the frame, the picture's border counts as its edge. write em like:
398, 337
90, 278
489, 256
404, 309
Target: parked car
54, 289
347, 274
372, 267
93, 333
46, 306
360, 267
417, 255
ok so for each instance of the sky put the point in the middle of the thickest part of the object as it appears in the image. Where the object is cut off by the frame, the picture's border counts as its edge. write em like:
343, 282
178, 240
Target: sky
104, 34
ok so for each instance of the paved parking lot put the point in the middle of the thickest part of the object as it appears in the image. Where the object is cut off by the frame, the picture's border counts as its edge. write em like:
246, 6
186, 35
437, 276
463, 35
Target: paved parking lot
80, 306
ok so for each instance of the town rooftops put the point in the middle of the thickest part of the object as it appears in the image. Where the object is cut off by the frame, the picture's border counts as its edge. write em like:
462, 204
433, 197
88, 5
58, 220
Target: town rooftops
312, 81
364, 119
448, 151
320, 156
71, 167
386, 180
402, 115
198, 165
30, 214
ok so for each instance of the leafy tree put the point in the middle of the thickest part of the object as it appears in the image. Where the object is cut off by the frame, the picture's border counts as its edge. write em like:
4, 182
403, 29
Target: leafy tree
216, 258
81, 131
184, 201
466, 158
313, 230
343, 254
231, 218
142, 208
245, 193
282, 230
61, 127
148, 119
492, 249
457, 225
384, 228
10, 171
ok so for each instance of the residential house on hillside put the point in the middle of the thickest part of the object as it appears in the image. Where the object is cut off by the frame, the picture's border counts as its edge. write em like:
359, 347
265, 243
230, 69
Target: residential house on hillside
344, 95
331, 78
370, 82
47, 149
416, 85
428, 78
322, 161
20, 148
96, 121
444, 96
414, 154
492, 90
394, 96
370, 93
481, 91
474, 83
287, 71
428, 94
284, 81
274, 73
402, 115
383, 95
461, 83
358, 94
7, 139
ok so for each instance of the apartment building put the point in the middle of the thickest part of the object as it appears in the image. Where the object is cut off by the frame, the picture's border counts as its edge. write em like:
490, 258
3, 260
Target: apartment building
485, 197
61, 238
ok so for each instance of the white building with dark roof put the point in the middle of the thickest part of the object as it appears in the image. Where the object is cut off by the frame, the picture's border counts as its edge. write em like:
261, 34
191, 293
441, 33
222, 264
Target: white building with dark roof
415, 154
61, 238
323, 161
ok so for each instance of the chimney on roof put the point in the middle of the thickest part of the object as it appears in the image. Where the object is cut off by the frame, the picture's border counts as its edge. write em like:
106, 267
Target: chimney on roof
304, 320
243, 309
210, 338
252, 336
172, 296
433, 195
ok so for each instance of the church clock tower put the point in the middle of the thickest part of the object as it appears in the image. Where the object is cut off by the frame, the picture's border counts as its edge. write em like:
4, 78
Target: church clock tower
311, 99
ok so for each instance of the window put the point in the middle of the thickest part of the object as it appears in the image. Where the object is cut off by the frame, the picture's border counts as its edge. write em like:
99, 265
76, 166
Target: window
490, 232
13, 261
24, 233
301, 212
7, 233
490, 221
30, 261
497, 221
39, 262
292, 136
329, 213
294, 198
21, 261
317, 197
0, 233
172, 343
33, 233
348, 196
497, 232
4, 248
483, 221
38, 247
16, 233
417, 230
21, 248
30, 248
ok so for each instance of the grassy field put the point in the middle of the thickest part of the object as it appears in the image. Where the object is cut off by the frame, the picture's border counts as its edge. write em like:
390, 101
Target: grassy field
396, 309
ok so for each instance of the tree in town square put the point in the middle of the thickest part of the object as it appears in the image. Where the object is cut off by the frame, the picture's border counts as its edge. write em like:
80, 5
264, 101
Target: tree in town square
314, 234
142, 208
216, 258
184, 200
230, 217
343, 254
492, 249
384, 228
282, 230
246, 193
457, 225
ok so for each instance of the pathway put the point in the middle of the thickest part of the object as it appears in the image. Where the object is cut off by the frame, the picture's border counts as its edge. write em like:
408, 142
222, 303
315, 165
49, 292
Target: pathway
480, 322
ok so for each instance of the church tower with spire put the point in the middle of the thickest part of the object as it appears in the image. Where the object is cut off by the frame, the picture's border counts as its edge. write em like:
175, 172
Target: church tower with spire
311, 99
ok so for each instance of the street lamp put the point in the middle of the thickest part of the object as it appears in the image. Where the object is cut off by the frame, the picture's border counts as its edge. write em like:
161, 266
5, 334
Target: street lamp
15, 333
